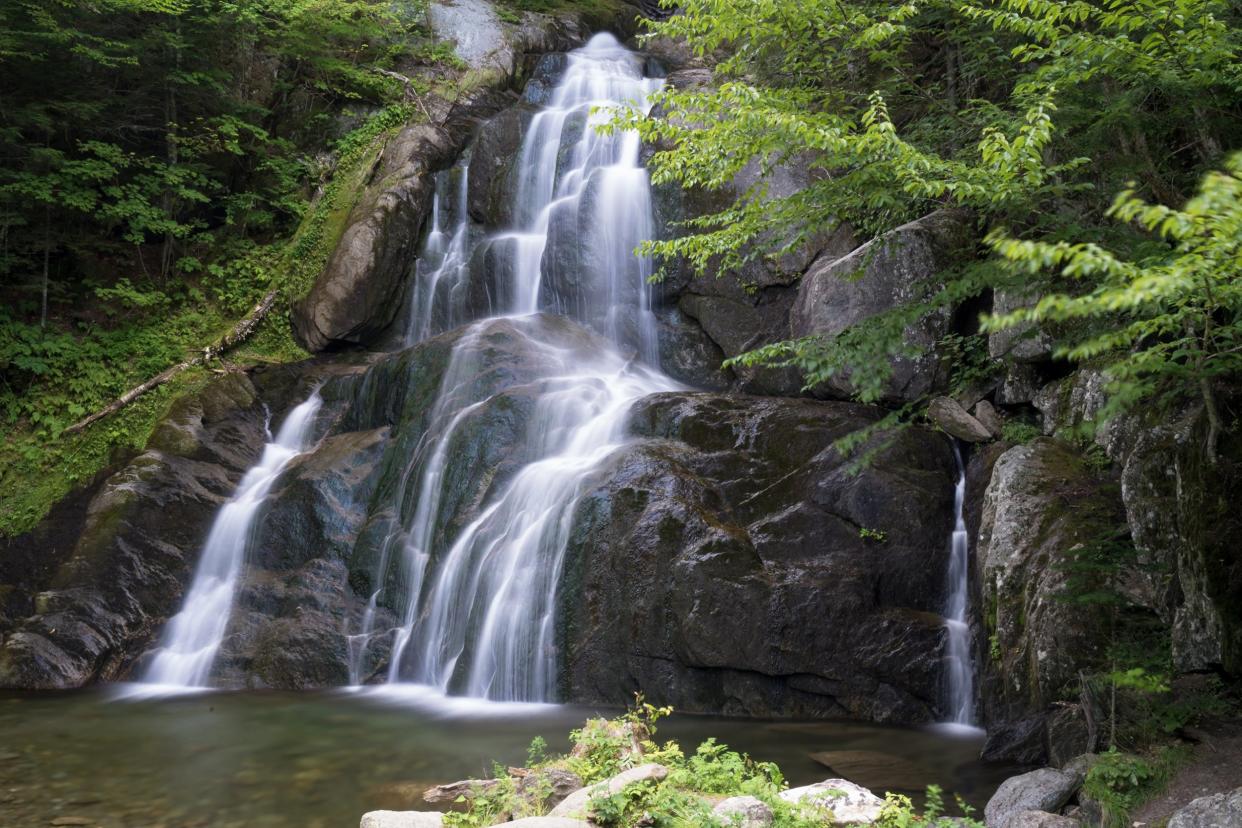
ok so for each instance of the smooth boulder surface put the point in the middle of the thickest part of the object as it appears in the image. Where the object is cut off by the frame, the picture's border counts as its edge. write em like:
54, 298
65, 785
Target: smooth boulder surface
1222, 810
953, 419
401, 819
1046, 789
720, 565
842, 800
578, 803
1042, 819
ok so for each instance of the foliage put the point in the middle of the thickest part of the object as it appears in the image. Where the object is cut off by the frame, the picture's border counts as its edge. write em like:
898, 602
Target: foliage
899, 812
683, 799
877, 535
1018, 432
1027, 112
1167, 323
1120, 782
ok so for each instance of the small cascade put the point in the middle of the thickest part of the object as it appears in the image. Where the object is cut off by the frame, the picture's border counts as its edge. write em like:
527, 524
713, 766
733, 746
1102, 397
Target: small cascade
190, 641
440, 274
477, 614
960, 672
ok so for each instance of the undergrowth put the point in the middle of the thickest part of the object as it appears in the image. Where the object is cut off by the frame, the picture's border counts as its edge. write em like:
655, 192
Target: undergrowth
685, 798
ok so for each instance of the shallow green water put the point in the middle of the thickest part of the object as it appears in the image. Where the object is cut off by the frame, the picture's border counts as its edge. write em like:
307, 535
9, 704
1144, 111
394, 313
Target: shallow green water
280, 760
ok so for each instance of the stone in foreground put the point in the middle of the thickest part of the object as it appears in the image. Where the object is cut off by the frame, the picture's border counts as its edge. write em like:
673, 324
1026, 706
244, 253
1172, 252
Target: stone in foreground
744, 812
847, 802
1222, 810
578, 802
1042, 819
1046, 789
401, 819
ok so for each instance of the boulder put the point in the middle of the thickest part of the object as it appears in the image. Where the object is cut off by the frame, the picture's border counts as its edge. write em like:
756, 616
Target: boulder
1025, 342
732, 501
546, 788
1045, 789
401, 819
1042, 819
843, 800
577, 804
1222, 810
948, 414
546, 822
744, 812
1041, 505
989, 417
901, 266
358, 294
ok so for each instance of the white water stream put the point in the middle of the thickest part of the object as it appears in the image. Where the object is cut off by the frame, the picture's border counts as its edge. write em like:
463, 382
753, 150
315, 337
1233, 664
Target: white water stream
960, 673
479, 613
193, 636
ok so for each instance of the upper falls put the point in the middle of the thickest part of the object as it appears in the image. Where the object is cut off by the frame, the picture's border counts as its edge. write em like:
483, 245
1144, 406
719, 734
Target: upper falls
478, 611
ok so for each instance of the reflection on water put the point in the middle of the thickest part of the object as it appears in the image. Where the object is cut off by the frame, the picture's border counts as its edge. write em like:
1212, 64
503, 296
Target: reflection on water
271, 760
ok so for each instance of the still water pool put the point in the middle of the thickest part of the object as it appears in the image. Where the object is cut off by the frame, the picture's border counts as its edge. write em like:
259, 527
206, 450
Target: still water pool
319, 760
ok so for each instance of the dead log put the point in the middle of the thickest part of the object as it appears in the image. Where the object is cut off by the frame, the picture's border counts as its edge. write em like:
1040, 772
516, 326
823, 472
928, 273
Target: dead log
240, 333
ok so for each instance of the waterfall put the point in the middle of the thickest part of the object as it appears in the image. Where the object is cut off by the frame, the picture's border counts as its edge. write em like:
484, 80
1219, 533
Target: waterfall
478, 612
960, 673
190, 641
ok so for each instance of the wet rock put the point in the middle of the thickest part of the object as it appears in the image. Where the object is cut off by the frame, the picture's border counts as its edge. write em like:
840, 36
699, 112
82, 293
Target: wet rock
139, 542
744, 812
900, 267
948, 414
357, 296
401, 819
737, 501
1221, 810
578, 802
1068, 735
491, 186
843, 800
1045, 789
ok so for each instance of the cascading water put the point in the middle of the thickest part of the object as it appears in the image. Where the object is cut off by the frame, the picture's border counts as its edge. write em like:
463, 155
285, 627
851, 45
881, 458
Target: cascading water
190, 641
479, 610
960, 673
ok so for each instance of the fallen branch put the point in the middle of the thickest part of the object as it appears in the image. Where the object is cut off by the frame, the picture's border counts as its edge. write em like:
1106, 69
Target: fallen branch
240, 333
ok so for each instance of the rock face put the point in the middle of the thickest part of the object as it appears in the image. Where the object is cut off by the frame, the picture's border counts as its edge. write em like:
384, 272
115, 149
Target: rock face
899, 267
1041, 505
719, 564
138, 544
1216, 811
1045, 789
